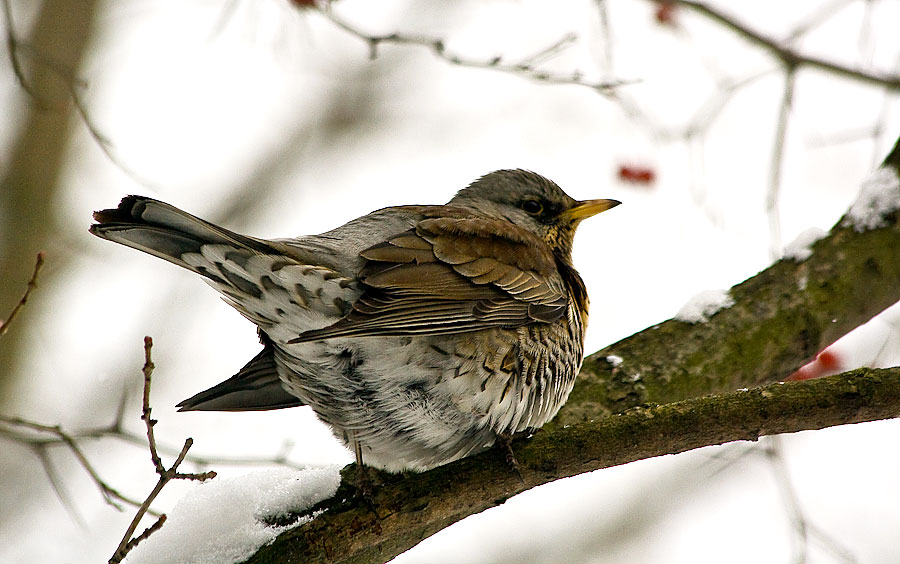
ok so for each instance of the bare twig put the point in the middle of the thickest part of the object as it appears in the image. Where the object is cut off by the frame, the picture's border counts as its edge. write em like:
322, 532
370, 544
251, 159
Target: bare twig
527, 67
804, 529
51, 436
73, 85
58, 486
12, 46
157, 525
147, 371
59, 436
787, 55
129, 541
603, 14
816, 18
774, 192
32, 284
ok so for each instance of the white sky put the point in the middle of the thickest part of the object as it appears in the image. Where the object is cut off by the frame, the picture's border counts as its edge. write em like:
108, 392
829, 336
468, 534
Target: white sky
192, 108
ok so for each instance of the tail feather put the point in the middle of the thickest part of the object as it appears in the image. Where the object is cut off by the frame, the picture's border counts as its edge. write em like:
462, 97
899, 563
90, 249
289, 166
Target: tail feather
256, 387
165, 231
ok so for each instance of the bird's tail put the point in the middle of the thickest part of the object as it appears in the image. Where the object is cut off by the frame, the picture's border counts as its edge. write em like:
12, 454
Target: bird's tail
167, 232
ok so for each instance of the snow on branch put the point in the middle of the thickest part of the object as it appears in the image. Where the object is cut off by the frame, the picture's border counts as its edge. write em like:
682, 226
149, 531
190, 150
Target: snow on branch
878, 197
704, 305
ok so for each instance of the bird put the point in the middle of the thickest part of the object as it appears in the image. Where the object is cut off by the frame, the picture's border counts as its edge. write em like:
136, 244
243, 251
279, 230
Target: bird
419, 334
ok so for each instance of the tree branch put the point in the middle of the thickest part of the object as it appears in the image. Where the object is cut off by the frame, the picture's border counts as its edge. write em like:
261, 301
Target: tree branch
790, 58
415, 507
32, 284
166, 475
527, 67
780, 319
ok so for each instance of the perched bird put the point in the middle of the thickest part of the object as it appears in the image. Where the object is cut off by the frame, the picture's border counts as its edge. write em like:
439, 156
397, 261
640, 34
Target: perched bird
419, 334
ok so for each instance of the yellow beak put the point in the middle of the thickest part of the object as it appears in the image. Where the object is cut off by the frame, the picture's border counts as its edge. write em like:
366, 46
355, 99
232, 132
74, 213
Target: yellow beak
587, 208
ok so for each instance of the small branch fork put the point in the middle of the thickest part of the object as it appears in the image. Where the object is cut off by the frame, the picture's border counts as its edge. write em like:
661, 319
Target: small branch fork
32, 284
40, 438
527, 67
166, 475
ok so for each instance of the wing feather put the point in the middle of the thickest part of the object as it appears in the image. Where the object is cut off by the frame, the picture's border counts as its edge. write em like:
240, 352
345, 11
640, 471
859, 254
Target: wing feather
451, 275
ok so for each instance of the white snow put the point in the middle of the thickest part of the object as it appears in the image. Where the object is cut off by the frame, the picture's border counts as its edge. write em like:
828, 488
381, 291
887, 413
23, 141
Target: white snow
219, 521
878, 196
702, 306
614, 360
799, 249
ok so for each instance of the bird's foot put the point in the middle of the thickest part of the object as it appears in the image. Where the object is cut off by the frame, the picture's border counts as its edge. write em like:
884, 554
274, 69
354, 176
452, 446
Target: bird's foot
365, 488
504, 442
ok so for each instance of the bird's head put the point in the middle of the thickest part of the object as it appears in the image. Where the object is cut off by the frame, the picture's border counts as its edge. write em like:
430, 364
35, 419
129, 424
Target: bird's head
532, 202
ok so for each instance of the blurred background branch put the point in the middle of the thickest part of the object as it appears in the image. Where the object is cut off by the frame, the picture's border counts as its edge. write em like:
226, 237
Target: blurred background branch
46, 64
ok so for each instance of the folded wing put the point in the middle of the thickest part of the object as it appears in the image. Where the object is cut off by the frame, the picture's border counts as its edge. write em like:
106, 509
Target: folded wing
451, 275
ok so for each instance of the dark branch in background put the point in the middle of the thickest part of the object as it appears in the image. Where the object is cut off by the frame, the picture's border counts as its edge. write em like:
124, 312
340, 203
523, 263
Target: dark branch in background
32, 284
788, 57
73, 85
40, 444
12, 46
789, 61
166, 475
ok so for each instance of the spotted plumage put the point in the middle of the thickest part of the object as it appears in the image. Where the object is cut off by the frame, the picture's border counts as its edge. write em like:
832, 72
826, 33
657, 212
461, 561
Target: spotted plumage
419, 334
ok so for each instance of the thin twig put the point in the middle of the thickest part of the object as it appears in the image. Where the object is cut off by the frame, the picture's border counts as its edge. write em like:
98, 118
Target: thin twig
816, 19
527, 67
788, 56
32, 284
603, 13
157, 525
147, 371
12, 46
73, 84
774, 192
57, 484
40, 445
804, 529
129, 541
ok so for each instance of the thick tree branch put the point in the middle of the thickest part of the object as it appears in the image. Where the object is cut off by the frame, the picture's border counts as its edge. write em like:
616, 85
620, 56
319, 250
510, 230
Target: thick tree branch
780, 319
414, 507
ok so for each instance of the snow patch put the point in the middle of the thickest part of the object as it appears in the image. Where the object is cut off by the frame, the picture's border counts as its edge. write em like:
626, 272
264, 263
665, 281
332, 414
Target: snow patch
614, 360
878, 196
799, 249
219, 522
703, 306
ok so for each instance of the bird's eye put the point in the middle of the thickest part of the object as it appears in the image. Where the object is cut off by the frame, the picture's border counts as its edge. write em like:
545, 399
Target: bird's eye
533, 207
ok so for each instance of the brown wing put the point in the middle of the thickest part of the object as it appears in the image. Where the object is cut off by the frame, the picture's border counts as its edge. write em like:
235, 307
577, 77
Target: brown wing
450, 275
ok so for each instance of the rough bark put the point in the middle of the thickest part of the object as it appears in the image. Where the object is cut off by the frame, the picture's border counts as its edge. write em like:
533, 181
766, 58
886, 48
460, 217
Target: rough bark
781, 318
411, 508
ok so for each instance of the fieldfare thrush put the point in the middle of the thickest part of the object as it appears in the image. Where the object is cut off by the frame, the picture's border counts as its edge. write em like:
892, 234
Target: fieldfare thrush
419, 334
